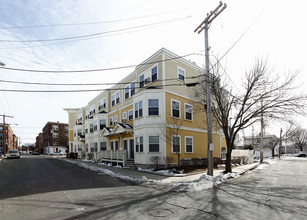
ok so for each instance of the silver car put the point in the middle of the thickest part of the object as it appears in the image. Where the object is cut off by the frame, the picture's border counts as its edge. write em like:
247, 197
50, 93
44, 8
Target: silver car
13, 154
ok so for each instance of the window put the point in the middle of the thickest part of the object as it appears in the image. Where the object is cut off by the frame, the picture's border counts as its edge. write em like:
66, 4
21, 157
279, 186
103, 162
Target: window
92, 147
138, 109
103, 123
154, 73
95, 125
132, 91
86, 147
116, 145
95, 147
112, 145
111, 121
142, 81
55, 135
55, 127
153, 106
181, 74
188, 112
154, 144
126, 92
91, 128
189, 144
175, 144
117, 97
103, 146
139, 144
130, 114
115, 119
113, 99
175, 109
124, 120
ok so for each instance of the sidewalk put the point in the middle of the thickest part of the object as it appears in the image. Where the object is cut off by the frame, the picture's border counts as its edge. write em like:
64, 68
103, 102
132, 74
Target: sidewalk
141, 176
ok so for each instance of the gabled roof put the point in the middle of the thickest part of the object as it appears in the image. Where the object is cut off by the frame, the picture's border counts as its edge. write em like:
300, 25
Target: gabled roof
121, 128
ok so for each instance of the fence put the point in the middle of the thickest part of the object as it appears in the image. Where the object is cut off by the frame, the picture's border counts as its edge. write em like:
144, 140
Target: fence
118, 156
246, 156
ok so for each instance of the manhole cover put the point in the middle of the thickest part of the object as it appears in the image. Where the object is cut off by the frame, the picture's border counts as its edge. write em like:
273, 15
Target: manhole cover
160, 212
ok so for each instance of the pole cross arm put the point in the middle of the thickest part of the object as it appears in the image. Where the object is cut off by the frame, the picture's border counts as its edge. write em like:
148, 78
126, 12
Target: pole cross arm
209, 17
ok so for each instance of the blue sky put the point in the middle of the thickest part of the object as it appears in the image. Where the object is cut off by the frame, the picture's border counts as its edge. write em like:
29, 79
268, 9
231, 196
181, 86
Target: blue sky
273, 29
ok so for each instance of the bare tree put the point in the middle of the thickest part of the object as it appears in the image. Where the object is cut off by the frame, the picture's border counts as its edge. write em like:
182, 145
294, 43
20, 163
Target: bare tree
299, 138
170, 134
287, 134
261, 94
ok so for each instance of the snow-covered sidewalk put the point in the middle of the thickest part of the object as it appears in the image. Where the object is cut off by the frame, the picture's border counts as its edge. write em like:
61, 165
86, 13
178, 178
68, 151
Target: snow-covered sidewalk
194, 182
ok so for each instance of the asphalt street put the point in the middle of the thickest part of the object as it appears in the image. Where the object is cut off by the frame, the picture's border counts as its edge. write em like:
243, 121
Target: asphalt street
39, 187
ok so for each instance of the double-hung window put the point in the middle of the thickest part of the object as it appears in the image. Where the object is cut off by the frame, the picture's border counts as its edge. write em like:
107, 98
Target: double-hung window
103, 146
175, 109
188, 112
154, 73
132, 90
153, 106
139, 144
115, 119
189, 144
111, 121
154, 144
142, 81
113, 99
175, 144
181, 73
117, 95
130, 115
138, 109
127, 92
103, 123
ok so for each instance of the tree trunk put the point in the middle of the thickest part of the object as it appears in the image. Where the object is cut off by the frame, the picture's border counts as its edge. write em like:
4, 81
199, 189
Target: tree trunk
178, 155
228, 162
273, 152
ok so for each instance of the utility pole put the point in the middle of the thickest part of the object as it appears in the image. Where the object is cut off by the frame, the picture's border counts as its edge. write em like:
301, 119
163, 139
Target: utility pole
4, 133
205, 26
261, 140
279, 143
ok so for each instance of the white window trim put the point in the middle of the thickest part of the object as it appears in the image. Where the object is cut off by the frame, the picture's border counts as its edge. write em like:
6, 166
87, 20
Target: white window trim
173, 100
110, 120
179, 143
115, 118
185, 144
124, 115
156, 65
154, 135
185, 112
180, 68
129, 92
131, 110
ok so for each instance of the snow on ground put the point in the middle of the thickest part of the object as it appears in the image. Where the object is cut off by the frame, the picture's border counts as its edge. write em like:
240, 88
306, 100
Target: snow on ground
203, 182
266, 163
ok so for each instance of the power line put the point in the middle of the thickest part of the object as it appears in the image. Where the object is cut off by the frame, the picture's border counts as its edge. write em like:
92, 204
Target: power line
84, 84
94, 34
97, 22
86, 90
96, 70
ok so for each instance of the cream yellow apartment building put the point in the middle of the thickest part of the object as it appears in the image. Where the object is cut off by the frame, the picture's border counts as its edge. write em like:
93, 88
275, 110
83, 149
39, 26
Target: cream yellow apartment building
148, 113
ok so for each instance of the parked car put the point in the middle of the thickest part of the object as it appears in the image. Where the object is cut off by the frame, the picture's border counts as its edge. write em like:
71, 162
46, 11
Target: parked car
35, 153
301, 154
13, 154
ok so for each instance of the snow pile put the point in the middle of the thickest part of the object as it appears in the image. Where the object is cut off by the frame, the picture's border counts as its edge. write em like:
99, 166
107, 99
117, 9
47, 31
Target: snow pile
162, 172
266, 163
205, 182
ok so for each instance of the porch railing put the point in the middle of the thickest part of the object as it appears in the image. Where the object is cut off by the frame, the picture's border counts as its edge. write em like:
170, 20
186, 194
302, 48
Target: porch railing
118, 156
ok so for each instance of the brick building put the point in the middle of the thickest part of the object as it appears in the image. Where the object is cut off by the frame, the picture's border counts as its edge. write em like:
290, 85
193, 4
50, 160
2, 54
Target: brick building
55, 137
